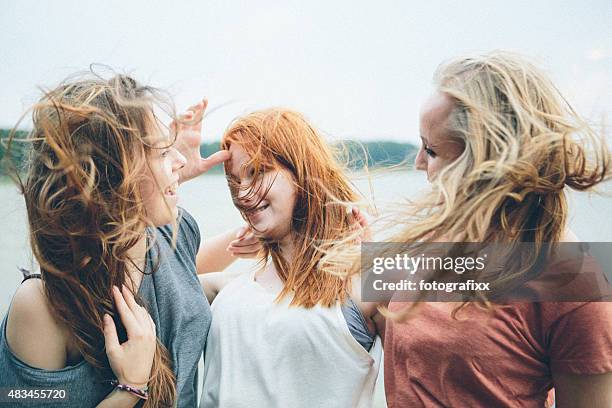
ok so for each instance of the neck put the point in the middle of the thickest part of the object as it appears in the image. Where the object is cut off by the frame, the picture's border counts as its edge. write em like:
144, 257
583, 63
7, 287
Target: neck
287, 248
137, 254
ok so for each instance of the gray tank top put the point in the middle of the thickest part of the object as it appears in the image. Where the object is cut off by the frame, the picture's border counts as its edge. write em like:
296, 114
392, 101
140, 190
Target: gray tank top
357, 324
176, 303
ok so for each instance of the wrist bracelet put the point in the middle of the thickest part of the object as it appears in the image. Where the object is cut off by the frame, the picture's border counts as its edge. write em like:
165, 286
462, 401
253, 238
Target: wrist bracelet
142, 393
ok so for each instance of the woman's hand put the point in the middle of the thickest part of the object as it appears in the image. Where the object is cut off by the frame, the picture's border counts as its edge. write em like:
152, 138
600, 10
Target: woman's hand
362, 224
132, 360
246, 245
188, 130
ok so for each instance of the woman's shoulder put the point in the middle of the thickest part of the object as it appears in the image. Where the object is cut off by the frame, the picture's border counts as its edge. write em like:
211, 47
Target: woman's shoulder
32, 333
187, 229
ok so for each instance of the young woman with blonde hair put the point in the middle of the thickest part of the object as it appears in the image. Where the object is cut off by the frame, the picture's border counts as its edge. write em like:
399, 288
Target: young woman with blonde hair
290, 333
500, 147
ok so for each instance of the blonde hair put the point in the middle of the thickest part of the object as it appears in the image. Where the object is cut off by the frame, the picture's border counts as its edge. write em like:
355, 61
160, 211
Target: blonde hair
280, 138
523, 144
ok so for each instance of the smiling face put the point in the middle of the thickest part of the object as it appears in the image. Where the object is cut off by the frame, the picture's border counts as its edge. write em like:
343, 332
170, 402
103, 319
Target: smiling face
438, 148
269, 204
159, 189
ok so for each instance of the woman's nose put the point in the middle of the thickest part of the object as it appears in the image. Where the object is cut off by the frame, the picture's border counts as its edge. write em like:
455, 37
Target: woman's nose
247, 193
420, 162
179, 161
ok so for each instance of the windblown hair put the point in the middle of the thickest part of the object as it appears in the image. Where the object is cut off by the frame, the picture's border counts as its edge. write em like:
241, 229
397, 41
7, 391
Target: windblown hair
523, 144
89, 146
283, 139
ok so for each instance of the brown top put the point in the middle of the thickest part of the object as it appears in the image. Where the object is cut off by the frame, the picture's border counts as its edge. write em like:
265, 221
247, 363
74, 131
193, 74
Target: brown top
495, 359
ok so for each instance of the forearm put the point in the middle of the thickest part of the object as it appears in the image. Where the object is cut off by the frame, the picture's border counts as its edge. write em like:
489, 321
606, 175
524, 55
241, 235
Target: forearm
213, 282
209, 283
213, 255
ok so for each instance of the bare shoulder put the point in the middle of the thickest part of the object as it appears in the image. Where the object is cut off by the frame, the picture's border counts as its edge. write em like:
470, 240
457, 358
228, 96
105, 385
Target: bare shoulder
29, 321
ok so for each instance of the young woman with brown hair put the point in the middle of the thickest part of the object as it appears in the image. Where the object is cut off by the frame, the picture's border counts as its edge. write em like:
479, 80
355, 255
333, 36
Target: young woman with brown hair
105, 228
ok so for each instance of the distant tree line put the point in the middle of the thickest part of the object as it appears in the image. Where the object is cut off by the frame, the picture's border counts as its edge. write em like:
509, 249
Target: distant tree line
18, 150
355, 155
351, 153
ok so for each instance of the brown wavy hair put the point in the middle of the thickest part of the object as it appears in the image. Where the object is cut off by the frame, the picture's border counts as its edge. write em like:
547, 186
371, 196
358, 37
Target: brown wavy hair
280, 138
89, 147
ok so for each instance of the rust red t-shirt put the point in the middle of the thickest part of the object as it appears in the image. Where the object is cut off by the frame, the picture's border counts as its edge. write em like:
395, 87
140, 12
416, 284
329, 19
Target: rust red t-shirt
492, 359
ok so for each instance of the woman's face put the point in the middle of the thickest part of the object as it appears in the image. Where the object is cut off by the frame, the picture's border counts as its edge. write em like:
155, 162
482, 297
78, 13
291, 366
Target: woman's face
275, 191
159, 189
438, 149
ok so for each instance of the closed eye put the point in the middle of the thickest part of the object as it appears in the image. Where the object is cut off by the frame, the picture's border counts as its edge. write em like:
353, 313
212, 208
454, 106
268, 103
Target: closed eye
251, 172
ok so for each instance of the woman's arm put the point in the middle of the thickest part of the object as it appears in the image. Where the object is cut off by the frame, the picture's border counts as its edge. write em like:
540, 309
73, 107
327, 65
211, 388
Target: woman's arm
583, 391
30, 320
219, 252
213, 282
119, 399
369, 310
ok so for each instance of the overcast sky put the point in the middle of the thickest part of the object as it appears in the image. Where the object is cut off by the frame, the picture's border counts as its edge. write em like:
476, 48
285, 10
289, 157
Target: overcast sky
357, 69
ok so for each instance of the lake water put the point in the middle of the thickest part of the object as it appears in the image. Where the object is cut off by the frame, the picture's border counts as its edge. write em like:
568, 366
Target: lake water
208, 199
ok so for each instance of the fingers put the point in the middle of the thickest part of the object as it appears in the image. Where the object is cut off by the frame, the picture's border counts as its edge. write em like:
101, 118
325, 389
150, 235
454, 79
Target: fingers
199, 108
127, 316
250, 250
242, 231
246, 245
363, 224
245, 238
361, 219
151, 324
140, 312
129, 299
213, 160
111, 340
192, 118
195, 113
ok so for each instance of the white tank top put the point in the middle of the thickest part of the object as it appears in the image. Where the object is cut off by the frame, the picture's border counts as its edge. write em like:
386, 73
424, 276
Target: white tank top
260, 353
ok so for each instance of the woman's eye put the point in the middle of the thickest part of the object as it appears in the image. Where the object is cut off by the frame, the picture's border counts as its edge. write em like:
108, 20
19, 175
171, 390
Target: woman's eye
165, 153
252, 172
429, 152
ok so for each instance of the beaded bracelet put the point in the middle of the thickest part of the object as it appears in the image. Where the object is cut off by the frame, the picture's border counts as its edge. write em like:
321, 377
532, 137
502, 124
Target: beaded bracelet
142, 393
